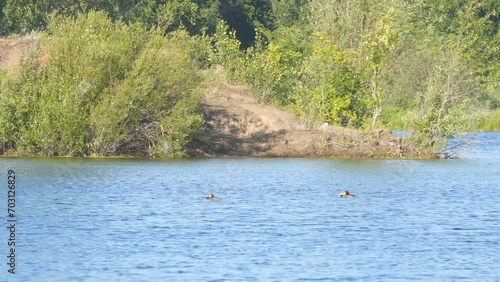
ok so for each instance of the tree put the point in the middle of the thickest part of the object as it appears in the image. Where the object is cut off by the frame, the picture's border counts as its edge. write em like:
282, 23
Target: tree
447, 17
288, 13
371, 29
2, 18
447, 105
332, 89
24, 16
244, 16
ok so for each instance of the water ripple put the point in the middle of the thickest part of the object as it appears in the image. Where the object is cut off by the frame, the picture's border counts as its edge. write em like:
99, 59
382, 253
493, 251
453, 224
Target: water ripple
279, 220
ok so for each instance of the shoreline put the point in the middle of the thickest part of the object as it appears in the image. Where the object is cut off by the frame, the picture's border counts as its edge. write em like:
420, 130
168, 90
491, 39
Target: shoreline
236, 125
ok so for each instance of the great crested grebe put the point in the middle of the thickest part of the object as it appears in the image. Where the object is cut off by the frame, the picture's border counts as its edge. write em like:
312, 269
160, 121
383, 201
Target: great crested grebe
212, 197
346, 194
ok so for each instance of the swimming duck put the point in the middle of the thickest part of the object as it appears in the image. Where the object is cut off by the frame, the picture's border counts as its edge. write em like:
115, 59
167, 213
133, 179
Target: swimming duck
346, 194
212, 197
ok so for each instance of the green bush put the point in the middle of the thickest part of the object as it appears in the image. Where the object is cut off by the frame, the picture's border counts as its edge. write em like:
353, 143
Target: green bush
131, 116
19, 97
103, 88
332, 90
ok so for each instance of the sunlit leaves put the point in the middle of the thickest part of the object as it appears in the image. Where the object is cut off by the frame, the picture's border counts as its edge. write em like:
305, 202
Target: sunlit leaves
332, 88
103, 88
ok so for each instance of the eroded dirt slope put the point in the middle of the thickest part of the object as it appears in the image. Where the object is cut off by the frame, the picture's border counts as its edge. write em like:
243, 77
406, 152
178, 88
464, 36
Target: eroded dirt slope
240, 126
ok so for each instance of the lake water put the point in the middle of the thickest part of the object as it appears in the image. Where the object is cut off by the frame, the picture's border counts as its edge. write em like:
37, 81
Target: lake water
279, 219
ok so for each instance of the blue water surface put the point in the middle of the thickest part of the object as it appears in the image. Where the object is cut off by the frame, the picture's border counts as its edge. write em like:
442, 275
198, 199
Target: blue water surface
279, 219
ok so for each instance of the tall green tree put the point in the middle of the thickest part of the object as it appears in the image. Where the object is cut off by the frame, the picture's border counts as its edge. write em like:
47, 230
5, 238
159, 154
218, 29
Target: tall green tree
287, 13
448, 105
332, 89
2, 18
372, 29
483, 24
197, 17
244, 16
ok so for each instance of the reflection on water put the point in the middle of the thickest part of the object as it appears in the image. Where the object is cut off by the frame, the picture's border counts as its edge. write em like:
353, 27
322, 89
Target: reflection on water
279, 219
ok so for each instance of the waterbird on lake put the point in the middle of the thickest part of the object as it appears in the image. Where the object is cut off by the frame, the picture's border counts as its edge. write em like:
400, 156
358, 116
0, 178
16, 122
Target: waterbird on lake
212, 197
346, 194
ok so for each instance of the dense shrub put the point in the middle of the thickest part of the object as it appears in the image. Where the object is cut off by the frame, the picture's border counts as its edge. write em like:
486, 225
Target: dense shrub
102, 88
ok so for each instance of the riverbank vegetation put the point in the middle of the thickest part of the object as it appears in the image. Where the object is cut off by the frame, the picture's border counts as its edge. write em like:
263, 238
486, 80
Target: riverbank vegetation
128, 77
